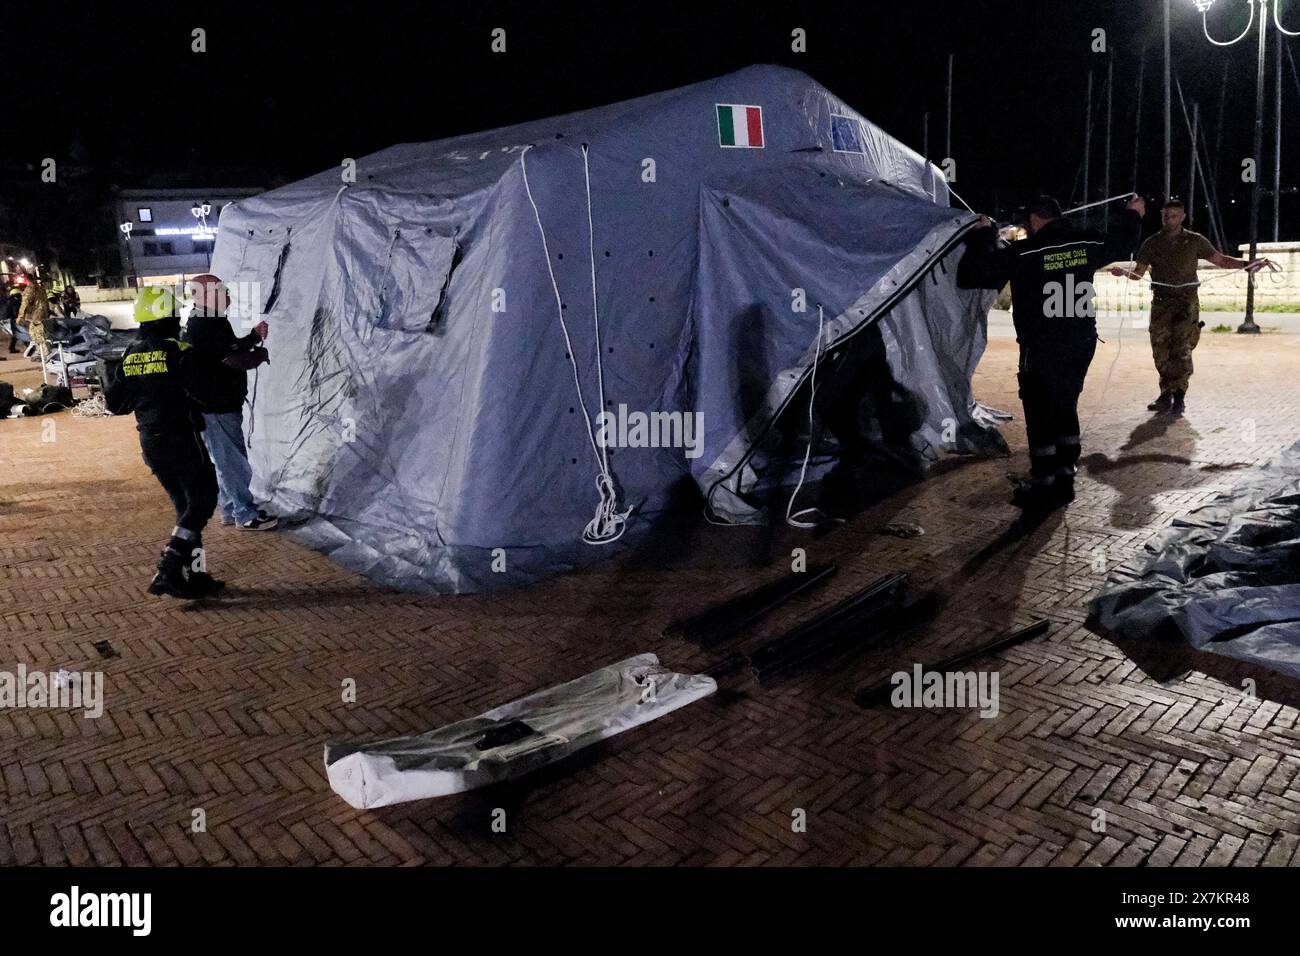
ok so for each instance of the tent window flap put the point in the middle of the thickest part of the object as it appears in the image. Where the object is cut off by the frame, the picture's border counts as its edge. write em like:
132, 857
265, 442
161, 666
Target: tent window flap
419, 269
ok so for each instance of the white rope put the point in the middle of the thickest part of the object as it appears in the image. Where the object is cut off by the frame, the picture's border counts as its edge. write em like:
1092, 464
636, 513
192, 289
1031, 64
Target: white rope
595, 311
609, 523
1099, 202
959, 199
1119, 348
92, 407
1225, 274
799, 519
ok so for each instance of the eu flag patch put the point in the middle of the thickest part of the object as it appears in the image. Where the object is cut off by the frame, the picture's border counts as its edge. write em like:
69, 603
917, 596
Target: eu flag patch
846, 134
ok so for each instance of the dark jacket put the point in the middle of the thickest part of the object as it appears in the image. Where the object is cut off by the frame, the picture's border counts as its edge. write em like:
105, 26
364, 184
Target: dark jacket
215, 342
1047, 271
161, 379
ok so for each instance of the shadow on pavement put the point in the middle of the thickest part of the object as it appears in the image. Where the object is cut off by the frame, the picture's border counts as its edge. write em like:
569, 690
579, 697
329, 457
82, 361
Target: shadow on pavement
1131, 474
1166, 658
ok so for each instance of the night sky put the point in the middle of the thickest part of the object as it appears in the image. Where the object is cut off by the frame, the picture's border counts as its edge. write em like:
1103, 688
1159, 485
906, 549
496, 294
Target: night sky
283, 92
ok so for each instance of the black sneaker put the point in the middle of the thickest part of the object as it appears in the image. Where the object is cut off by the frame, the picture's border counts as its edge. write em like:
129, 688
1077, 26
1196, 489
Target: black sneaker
1178, 406
1162, 403
263, 522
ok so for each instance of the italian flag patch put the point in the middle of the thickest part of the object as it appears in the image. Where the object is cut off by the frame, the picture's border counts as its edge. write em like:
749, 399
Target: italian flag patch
740, 127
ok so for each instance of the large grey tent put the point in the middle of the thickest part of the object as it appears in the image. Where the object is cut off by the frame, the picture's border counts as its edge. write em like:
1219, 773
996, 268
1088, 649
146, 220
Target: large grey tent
439, 360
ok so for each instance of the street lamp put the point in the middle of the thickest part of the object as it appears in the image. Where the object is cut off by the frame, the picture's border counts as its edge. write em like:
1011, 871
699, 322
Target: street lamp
125, 228
1248, 325
200, 211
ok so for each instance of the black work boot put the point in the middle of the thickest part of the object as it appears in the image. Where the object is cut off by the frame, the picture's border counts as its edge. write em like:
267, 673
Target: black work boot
174, 579
1044, 497
1178, 407
1162, 403
171, 580
206, 582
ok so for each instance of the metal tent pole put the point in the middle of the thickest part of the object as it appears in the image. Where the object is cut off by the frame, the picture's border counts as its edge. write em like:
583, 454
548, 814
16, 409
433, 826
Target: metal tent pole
947, 141
1203, 165
1218, 130
1168, 103
1191, 172
1248, 324
1105, 176
1087, 147
1277, 139
1137, 126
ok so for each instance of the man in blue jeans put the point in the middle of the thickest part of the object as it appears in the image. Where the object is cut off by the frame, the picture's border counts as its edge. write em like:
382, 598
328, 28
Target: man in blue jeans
227, 360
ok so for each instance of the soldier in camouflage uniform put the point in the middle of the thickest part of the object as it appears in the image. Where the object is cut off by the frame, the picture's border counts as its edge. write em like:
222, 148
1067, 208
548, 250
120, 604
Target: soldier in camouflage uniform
34, 312
1171, 255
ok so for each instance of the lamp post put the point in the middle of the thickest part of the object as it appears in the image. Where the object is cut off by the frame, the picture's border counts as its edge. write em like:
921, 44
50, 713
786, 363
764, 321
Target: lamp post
1248, 325
200, 211
125, 229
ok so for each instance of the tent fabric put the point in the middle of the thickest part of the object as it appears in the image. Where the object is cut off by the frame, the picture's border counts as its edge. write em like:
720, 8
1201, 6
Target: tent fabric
1226, 577
530, 733
421, 413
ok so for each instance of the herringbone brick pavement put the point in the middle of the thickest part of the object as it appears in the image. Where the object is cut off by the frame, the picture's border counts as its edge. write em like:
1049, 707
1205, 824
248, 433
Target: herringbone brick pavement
224, 708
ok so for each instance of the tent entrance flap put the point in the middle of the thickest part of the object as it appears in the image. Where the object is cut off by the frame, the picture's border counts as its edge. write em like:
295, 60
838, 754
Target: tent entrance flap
910, 341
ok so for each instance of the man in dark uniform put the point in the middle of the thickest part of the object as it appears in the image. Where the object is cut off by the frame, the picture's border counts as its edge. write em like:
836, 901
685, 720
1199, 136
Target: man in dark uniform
1052, 302
12, 306
161, 379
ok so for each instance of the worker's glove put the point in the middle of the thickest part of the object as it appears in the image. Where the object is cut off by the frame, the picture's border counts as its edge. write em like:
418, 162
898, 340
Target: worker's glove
246, 361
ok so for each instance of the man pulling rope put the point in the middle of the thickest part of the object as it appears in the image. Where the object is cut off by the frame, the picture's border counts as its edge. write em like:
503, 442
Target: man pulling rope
1171, 255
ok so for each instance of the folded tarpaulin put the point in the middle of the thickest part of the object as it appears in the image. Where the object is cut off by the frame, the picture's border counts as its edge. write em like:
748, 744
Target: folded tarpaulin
1226, 576
512, 739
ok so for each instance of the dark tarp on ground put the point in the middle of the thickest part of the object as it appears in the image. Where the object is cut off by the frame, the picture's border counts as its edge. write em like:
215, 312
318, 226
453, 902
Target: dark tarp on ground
1226, 576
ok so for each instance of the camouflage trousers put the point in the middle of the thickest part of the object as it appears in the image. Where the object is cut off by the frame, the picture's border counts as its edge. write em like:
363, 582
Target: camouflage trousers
1175, 330
37, 331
